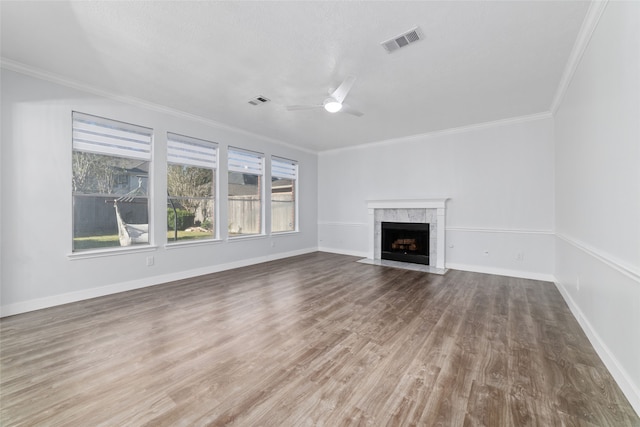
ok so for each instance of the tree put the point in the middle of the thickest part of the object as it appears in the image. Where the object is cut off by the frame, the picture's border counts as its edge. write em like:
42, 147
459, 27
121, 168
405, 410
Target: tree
97, 174
190, 185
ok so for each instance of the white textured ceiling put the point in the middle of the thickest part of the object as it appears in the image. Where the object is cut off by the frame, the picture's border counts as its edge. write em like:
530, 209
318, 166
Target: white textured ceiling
479, 62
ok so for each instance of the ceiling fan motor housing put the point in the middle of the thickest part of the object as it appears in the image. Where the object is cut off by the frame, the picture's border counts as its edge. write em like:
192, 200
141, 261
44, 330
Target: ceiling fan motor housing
331, 105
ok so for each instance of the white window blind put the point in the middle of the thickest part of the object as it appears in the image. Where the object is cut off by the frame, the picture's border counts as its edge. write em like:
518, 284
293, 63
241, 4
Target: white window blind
189, 151
103, 136
283, 168
245, 161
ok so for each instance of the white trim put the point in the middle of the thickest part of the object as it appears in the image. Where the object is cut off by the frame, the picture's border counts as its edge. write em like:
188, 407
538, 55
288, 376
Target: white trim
591, 19
242, 237
54, 300
192, 242
502, 272
450, 131
617, 371
454, 229
407, 204
54, 78
499, 230
283, 233
632, 272
115, 251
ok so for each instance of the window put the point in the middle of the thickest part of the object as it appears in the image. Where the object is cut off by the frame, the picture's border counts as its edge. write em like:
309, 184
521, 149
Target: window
191, 183
110, 163
284, 175
244, 207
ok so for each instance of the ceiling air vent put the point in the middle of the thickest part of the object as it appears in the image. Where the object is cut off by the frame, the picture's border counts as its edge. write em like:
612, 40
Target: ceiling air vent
402, 40
258, 100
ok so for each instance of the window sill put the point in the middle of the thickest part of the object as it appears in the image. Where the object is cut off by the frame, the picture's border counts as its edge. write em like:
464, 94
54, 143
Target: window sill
190, 243
247, 237
101, 253
284, 233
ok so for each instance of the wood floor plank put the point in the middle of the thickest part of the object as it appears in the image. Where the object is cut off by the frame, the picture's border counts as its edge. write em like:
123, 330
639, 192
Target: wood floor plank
316, 340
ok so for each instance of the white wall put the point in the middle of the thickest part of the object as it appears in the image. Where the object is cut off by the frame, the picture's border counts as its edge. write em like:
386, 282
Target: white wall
500, 178
37, 206
598, 193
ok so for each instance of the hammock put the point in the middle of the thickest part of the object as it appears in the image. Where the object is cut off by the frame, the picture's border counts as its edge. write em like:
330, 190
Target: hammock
129, 234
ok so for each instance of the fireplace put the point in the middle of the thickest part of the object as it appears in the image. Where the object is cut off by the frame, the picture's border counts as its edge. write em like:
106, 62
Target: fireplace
424, 211
406, 242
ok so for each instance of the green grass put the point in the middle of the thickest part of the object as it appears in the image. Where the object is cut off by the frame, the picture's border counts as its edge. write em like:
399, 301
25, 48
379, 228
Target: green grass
95, 242
187, 235
111, 240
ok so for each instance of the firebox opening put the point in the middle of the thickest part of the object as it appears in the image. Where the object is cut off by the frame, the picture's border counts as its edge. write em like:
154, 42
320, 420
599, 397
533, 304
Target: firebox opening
406, 242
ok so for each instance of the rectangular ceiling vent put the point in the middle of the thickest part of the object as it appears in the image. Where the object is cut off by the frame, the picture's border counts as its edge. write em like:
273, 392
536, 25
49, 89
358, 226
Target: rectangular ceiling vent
402, 40
258, 100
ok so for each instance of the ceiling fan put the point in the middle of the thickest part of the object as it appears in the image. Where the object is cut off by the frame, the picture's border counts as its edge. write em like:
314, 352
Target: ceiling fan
334, 103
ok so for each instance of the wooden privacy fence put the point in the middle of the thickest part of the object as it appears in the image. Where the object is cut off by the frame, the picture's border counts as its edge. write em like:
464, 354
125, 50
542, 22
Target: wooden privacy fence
283, 214
244, 215
92, 216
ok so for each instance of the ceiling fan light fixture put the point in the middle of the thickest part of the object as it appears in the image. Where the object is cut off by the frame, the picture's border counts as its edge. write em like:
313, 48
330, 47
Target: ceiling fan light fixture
332, 106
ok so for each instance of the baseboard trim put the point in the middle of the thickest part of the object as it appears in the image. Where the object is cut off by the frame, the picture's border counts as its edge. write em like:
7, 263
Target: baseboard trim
55, 300
502, 272
629, 389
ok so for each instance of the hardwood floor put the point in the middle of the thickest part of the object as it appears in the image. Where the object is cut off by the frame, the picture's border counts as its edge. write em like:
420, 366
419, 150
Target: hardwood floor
313, 340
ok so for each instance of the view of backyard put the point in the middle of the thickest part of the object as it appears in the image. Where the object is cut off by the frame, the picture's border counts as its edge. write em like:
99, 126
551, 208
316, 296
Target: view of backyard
111, 204
111, 240
110, 199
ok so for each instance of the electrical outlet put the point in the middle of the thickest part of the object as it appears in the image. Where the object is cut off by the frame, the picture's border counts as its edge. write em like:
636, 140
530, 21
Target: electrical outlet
520, 256
150, 261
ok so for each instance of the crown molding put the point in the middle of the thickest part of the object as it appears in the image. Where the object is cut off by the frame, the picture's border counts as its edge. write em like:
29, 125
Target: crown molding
18, 67
591, 19
450, 131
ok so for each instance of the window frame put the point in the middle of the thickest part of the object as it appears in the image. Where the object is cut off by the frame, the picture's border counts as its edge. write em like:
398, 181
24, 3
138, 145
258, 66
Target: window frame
247, 162
112, 139
286, 169
203, 154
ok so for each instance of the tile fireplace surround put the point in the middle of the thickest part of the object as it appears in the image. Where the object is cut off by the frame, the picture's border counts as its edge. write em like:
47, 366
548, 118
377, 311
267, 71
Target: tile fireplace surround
431, 211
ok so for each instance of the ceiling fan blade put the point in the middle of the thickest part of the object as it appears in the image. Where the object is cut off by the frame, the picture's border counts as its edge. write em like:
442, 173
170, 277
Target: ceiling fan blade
350, 110
302, 107
341, 93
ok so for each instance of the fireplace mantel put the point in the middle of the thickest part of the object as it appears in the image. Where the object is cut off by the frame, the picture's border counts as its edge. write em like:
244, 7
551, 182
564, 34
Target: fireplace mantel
407, 204
435, 207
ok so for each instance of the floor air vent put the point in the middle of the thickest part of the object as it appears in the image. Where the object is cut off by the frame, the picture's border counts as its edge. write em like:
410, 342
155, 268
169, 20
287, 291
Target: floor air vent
402, 40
